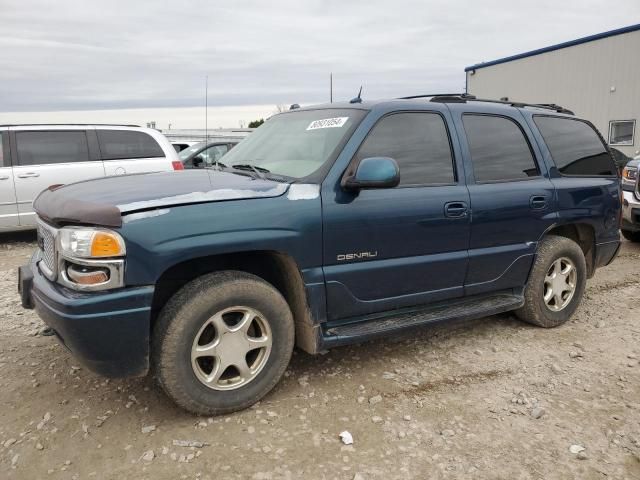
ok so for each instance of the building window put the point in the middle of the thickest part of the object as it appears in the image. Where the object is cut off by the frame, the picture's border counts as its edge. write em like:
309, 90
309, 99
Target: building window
621, 132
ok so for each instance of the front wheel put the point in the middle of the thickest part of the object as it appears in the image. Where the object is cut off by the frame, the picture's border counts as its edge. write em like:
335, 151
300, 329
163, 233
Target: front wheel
556, 283
222, 342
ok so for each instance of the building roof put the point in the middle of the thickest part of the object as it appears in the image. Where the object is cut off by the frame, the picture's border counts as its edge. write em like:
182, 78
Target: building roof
571, 43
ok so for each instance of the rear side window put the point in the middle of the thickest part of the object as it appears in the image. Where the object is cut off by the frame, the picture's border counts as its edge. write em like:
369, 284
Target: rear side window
41, 148
418, 142
575, 147
499, 150
122, 144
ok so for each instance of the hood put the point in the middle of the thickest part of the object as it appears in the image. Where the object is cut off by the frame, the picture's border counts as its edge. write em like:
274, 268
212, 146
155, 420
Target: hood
103, 201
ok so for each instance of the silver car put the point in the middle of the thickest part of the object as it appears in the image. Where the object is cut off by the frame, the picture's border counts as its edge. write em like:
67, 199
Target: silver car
34, 157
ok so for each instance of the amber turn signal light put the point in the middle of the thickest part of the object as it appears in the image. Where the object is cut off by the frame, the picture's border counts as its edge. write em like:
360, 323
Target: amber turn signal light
105, 244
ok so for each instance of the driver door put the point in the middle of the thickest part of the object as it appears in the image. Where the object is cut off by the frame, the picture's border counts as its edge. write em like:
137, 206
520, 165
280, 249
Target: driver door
391, 248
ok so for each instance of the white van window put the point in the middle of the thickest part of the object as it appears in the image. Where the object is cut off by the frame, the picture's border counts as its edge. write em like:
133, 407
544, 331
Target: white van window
40, 148
121, 144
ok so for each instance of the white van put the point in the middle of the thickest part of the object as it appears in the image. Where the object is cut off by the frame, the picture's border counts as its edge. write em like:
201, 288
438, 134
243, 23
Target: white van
34, 157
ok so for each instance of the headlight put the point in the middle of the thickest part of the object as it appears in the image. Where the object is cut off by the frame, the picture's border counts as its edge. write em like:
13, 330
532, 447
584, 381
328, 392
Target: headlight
629, 176
90, 243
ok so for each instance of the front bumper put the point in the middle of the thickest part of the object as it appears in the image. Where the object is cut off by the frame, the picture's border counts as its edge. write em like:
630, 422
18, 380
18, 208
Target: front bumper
630, 211
107, 331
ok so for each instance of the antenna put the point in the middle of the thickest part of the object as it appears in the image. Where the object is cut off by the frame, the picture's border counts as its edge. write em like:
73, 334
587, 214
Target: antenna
331, 87
206, 108
358, 99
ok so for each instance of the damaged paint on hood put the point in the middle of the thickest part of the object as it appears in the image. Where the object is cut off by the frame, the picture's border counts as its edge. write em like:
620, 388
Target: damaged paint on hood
103, 201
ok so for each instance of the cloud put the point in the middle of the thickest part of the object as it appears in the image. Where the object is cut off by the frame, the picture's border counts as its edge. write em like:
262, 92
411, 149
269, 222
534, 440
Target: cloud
79, 55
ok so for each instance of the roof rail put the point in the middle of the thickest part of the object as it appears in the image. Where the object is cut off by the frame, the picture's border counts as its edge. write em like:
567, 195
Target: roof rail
67, 124
411, 97
463, 97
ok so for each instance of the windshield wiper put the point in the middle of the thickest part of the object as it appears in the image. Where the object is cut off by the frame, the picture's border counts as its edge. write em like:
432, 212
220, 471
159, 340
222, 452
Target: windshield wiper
259, 171
217, 166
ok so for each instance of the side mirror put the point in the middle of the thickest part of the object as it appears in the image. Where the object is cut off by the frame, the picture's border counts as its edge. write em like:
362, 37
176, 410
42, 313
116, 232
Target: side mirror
373, 172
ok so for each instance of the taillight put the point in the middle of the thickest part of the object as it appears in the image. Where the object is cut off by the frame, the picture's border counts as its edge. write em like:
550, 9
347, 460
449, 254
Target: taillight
177, 165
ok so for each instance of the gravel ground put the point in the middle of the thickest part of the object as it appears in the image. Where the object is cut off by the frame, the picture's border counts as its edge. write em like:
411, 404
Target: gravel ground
492, 398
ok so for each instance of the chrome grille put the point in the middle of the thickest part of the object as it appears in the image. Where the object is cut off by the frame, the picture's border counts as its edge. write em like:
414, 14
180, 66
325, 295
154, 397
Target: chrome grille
47, 244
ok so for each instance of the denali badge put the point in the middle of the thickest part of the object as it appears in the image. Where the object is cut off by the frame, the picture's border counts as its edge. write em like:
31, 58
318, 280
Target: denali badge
357, 256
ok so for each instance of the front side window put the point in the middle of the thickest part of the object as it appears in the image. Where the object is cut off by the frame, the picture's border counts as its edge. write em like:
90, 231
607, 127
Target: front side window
41, 148
575, 146
295, 144
621, 132
214, 153
124, 144
418, 142
499, 149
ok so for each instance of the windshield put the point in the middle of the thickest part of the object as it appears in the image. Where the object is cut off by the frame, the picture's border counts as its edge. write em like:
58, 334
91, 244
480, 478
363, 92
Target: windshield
187, 152
295, 144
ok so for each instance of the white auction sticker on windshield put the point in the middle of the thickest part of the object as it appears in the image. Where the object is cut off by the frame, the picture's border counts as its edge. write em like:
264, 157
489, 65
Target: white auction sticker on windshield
328, 123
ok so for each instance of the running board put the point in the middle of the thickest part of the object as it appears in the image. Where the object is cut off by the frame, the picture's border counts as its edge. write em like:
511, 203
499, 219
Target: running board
372, 326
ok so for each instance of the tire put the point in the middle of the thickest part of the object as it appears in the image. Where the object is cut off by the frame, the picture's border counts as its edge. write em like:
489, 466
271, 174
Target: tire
554, 254
631, 236
188, 317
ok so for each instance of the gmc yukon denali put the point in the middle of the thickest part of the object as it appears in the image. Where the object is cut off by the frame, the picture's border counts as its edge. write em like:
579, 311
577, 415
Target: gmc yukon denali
329, 225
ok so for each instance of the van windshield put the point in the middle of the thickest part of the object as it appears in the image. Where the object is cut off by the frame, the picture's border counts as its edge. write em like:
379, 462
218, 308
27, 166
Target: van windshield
295, 144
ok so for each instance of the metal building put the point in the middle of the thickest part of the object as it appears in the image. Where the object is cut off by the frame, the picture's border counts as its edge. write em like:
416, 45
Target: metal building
598, 77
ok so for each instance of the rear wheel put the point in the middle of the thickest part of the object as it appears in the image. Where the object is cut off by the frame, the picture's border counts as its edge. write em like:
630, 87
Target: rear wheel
631, 236
222, 342
556, 283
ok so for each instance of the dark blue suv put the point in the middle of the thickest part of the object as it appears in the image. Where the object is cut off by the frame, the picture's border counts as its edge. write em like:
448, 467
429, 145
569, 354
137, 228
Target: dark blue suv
327, 226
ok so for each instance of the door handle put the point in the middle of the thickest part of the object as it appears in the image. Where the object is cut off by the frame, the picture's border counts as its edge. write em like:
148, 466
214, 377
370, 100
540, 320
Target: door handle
538, 202
4, 177
28, 175
455, 209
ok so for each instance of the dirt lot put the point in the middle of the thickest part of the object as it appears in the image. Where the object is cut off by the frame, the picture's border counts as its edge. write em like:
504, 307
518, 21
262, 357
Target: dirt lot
493, 398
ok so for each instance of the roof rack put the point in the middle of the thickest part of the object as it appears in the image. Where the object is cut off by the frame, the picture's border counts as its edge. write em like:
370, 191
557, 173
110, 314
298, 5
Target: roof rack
67, 124
411, 97
463, 97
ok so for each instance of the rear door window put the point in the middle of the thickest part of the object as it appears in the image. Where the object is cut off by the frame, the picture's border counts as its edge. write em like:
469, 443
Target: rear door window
41, 148
418, 142
499, 150
2, 149
575, 146
124, 144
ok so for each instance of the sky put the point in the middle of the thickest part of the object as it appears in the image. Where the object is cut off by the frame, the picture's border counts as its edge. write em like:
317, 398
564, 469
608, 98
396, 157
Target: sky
136, 61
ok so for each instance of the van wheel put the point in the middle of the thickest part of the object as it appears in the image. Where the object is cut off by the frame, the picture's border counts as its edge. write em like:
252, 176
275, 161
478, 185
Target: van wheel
631, 236
222, 342
556, 283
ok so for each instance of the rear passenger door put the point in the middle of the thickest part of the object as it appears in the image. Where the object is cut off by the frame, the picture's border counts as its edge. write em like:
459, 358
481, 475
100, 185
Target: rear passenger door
130, 151
8, 207
512, 199
42, 158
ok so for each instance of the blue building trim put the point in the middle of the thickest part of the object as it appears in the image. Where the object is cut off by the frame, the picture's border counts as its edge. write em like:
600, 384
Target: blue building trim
571, 43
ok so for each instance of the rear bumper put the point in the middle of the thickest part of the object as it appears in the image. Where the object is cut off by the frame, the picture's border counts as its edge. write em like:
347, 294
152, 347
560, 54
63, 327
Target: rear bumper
107, 331
606, 253
630, 212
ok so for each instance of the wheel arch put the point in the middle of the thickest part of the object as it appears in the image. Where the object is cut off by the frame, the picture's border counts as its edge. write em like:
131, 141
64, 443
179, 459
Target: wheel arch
583, 234
277, 268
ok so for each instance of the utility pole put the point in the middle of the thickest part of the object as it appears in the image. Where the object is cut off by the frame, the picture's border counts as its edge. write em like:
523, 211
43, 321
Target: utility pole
331, 87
